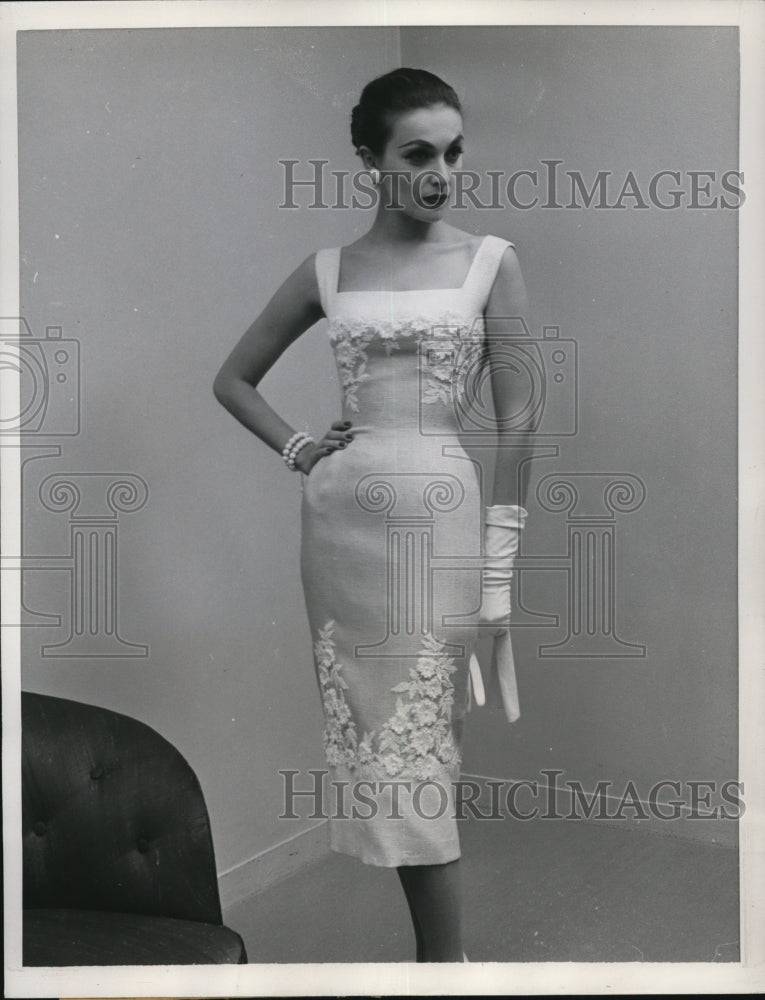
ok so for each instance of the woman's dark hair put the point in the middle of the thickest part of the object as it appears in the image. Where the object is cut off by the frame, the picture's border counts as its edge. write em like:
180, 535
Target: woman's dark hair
395, 92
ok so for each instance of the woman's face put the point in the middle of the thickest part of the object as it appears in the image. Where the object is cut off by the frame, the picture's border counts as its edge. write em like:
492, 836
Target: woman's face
424, 150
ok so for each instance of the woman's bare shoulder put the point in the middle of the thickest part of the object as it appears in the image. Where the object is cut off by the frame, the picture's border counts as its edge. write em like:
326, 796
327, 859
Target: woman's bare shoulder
304, 276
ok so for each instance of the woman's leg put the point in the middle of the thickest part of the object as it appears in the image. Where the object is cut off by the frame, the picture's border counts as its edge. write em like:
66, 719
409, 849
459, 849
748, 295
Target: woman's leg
421, 949
435, 902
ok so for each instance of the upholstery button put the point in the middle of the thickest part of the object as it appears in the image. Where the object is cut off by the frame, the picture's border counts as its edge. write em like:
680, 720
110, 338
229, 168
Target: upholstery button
40, 828
143, 845
97, 772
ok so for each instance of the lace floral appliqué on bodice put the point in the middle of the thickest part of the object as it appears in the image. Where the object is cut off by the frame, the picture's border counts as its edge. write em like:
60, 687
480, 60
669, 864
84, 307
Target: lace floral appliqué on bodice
448, 349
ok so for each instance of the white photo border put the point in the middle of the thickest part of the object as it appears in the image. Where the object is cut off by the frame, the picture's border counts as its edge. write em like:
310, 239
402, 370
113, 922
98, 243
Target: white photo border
745, 976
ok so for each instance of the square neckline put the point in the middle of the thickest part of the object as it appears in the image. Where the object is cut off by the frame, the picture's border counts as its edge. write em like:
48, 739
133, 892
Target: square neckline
404, 291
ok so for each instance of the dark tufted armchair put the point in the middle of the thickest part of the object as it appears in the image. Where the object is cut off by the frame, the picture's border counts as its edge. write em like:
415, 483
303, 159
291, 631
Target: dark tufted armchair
119, 866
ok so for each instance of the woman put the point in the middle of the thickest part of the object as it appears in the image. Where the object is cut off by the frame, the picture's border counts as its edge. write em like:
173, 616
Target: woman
392, 511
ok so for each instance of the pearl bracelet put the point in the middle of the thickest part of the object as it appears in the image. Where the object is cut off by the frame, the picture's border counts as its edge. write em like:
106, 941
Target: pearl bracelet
296, 443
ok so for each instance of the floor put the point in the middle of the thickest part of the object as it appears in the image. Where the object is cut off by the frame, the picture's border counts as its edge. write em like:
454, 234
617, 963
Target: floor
537, 891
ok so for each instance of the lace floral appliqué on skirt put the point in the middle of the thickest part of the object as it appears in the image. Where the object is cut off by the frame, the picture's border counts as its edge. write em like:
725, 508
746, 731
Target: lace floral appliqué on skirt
416, 741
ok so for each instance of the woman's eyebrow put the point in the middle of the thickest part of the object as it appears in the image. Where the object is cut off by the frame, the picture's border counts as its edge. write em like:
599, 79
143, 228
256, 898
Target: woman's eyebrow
424, 142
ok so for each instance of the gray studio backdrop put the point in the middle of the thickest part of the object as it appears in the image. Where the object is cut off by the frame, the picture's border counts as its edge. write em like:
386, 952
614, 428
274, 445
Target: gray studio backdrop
151, 236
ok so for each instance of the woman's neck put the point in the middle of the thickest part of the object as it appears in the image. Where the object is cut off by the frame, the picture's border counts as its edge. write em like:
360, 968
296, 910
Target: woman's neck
392, 226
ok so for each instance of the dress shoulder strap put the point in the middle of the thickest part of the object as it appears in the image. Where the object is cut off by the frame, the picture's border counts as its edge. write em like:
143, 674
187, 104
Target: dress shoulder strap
327, 273
485, 266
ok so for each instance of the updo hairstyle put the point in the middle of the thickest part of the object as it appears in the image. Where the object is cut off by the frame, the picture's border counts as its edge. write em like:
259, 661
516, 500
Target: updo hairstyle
387, 96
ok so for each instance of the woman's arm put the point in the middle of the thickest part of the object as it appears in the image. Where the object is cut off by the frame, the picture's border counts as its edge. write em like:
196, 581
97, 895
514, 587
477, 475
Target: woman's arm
506, 309
293, 308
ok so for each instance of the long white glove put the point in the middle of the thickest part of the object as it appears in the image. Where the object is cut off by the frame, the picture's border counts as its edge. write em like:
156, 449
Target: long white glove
503, 526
